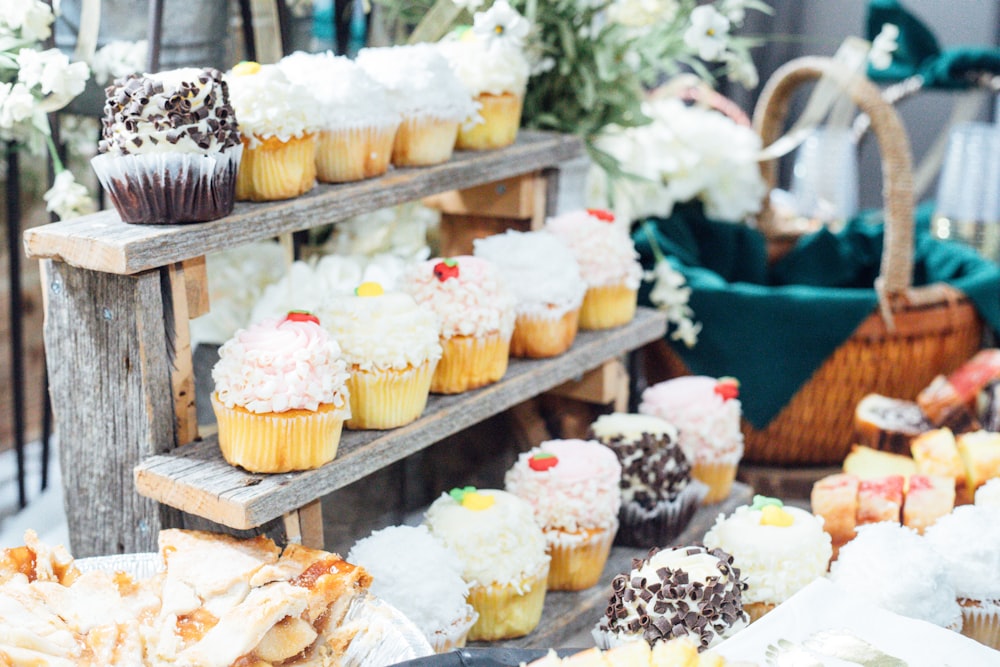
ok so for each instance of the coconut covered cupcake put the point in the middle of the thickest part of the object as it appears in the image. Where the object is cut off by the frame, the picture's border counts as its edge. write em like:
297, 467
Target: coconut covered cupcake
170, 147
476, 315
426, 585
391, 347
279, 121
431, 98
281, 395
778, 549
545, 279
658, 495
707, 415
572, 486
359, 122
609, 264
683, 592
503, 556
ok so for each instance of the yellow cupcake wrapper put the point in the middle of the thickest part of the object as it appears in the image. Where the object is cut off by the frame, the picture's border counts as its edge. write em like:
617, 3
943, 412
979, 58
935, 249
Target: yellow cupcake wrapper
277, 169
719, 478
607, 307
423, 141
353, 154
577, 564
501, 116
388, 399
503, 612
469, 362
981, 621
538, 337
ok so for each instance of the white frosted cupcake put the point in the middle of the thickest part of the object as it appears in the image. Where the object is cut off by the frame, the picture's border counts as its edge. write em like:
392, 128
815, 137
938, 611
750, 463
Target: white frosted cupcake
359, 122
502, 550
476, 315
391, 347
545, 279
417, 574
279, 121
431, 99
988, 495
608, 261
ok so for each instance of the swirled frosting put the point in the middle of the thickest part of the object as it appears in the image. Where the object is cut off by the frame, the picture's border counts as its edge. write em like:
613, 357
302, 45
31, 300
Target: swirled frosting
968, 540
384, 332
687, 591
495, 67
279, 365
183, 110
348, 98
538, 268
502, 544
419, 81
708, 423
579, 492
269, 105
474, 303
604, 250
776, 561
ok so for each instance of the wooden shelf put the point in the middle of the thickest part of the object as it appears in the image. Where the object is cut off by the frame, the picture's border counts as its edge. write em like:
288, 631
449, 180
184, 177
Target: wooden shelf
102, 242
196, 479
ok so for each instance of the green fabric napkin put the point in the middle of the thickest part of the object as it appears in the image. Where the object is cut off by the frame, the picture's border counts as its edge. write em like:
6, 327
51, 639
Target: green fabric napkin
771, 327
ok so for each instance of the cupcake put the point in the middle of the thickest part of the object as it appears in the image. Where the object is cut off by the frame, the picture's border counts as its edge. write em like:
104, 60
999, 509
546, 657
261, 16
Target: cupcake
548, 289
778, 549
281, 395
707, 415
490, 61
609, 264
476, 315
170, 147
426, 585
658, 495
432, 100
391, 348
683, 592
279, 121
988, 495
503, 556
893, 567
968, 541
572, 486
359, 122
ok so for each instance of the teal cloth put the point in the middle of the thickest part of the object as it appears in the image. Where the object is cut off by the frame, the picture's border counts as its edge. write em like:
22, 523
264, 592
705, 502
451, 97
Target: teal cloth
918, 51
771, 327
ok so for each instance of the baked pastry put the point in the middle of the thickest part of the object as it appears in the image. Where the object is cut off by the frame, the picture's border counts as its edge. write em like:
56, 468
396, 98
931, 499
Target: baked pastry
686, 591
868, 463
281, 396
928, 498
658, 495
359, 122
957, 392
545, 279
502, 550
888, 424
778, 549
476, 315
572, 487
980, 452
426, 585
880, 499
279, 121
431, 98
835, 498
391, 347
707, 415
609, 264
170, 147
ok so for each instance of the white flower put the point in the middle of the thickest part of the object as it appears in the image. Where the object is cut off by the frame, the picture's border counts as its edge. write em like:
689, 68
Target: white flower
52, 72
642, 13
707, 33
16, 104
670, 295
67, 198
471, 5
501, 22
32, 18
883, 46
741, 69
117, 59
735, 10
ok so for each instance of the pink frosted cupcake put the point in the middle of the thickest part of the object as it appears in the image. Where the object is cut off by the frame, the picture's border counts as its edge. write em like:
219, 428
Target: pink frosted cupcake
572, 486
476, 314
609, 264
707, 415
280, 395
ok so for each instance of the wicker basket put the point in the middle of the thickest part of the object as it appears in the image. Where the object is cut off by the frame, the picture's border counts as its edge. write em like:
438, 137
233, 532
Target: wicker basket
916, 334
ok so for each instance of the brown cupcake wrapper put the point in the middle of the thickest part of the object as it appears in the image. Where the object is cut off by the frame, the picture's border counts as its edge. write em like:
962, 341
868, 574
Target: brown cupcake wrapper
661, 525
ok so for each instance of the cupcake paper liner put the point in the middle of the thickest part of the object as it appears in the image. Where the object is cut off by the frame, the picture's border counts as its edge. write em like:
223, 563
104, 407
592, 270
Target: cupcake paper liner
423, 141
501, 116
981, 621
504, 613
389, 398
660, 526
719, 478
538, 337
353, 154
607, 307
468, 362
454, 636
577, 562
275, 169
169, 188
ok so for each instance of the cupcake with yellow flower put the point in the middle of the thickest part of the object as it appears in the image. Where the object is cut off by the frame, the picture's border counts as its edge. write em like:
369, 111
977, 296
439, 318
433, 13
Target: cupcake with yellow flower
502, 550
391, 347
279, 121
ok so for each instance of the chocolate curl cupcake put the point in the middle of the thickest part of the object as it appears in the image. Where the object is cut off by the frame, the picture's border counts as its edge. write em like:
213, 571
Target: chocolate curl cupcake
170, 147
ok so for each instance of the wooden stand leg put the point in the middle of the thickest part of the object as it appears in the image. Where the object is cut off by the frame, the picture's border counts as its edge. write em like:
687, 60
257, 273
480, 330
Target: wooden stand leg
305, 525
189, 299
605, 384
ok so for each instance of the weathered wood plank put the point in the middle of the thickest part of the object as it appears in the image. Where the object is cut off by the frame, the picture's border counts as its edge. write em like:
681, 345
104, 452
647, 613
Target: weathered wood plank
102, 242
605, 384
109, 375
182, 367
196, 479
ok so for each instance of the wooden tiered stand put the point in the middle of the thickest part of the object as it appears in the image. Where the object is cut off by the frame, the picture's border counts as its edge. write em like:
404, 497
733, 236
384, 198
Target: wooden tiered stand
118, 298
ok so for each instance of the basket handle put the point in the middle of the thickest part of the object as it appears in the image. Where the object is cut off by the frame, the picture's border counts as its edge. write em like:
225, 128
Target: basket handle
896, 270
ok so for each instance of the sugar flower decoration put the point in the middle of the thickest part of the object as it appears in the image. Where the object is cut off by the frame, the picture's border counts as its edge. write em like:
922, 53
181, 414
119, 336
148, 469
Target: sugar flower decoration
708, 33
883, 46
501, 22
